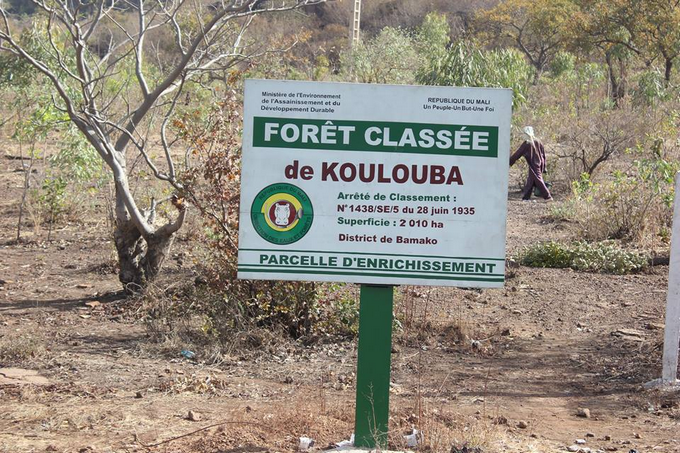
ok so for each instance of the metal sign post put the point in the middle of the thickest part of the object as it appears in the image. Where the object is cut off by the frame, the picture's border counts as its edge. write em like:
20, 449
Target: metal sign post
373, 366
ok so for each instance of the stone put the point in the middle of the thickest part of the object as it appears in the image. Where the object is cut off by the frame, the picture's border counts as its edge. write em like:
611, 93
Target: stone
194, 416
573, 448
580, 441
522, 424
607, 437
345, 378
590, 435
500, 420
629, 334
139, 395
583, 412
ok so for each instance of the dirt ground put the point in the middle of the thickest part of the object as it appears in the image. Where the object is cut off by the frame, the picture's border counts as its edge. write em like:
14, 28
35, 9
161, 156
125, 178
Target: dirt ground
504, 370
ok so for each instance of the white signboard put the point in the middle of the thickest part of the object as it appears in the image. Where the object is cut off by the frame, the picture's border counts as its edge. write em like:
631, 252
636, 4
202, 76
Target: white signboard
374, 183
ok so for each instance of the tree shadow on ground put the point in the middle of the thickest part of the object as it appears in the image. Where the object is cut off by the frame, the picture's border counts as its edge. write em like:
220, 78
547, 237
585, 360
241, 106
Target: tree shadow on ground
62, 304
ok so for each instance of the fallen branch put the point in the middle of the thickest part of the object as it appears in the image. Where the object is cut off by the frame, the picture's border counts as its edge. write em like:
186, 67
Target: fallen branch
205, 428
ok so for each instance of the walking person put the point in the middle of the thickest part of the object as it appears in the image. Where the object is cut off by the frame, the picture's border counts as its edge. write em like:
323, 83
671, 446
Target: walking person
533, 151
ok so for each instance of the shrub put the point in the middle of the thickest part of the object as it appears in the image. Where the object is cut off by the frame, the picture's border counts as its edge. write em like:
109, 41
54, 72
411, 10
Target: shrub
433, 36
635, 205
339, 310
465, 64
547, 254
224, 308
74, 172
390, 57
651, 88
213, 187
563, 63
606, 257
599, 135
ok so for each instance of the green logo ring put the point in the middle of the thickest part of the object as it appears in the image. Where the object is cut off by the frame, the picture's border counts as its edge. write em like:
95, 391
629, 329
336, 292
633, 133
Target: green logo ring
282, 213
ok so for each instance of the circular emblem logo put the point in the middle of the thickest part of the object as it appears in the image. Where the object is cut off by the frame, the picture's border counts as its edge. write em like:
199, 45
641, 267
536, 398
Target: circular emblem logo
282, 213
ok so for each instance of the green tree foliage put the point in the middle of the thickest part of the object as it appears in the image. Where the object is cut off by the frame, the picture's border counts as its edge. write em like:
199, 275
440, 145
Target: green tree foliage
433, 36
465, 64
389, 57
657, 30
537, 28
605, 26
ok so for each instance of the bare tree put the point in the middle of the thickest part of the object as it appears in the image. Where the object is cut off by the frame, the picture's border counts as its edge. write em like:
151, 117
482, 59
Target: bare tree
596, 137
123, 117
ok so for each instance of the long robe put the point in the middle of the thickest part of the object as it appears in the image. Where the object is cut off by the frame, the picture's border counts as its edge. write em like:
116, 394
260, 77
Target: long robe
534, 153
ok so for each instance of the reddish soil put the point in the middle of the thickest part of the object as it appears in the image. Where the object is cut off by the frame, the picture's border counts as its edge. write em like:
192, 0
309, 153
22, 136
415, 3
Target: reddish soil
547, 346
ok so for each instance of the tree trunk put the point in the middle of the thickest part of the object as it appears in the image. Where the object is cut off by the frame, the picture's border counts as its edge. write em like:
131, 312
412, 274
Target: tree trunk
140, 258
669, 68
129, 245
617, 83
157, 247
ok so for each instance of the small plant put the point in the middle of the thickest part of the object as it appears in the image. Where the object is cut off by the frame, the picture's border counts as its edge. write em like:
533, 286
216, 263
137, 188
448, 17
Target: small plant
562, 211
31, 130
339, 310
53, 198
547, 254
606, 257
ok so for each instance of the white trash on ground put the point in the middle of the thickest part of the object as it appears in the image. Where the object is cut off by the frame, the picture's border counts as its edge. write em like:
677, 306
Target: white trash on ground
413, 438
306, 443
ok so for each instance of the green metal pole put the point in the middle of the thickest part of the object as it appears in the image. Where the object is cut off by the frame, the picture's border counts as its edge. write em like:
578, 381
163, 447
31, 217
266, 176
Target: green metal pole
373, 366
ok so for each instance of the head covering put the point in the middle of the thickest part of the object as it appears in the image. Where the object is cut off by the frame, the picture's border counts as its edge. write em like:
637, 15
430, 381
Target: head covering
529, 132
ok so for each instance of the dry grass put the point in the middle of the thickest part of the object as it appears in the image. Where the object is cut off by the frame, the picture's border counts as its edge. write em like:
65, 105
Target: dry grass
15, 350
202, 385
281, 426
